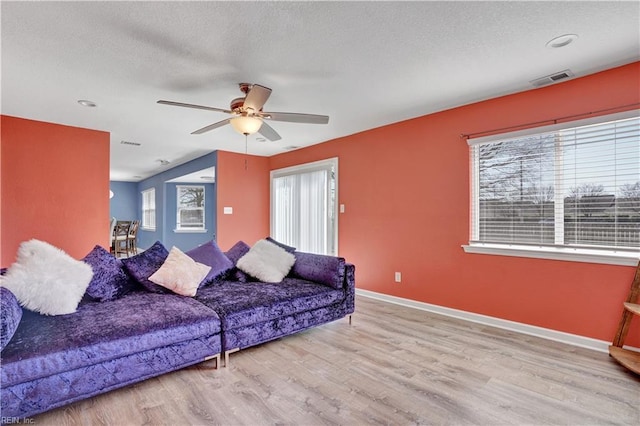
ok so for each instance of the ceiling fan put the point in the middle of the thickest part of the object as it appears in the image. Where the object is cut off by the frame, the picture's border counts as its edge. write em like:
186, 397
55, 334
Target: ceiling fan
247, 115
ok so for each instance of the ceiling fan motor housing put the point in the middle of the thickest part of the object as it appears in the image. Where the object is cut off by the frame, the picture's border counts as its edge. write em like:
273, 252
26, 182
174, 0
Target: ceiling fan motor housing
236, 104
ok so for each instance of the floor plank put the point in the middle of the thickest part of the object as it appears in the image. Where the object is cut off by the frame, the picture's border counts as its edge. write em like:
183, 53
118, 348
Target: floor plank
393, 365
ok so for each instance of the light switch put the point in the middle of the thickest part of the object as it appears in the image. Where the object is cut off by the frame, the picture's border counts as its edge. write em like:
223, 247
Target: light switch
228, 210
341, 208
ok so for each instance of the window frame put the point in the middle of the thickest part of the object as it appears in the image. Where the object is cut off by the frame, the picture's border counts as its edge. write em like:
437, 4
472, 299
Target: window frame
151, 211
613, 256
179, 228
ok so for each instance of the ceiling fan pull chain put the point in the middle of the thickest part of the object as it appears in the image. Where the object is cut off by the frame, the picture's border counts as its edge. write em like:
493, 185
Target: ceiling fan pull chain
246, 152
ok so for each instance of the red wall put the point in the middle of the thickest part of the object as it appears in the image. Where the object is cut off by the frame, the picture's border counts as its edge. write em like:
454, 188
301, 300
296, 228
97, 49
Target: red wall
55, 187
246, 189
405, 188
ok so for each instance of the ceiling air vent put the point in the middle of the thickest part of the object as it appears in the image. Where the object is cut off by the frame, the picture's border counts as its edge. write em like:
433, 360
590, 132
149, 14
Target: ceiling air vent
130, 143
558, 76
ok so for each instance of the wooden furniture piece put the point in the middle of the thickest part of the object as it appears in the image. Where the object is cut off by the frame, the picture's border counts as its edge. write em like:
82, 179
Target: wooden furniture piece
131, 241
629, 359
121, 238
112, 227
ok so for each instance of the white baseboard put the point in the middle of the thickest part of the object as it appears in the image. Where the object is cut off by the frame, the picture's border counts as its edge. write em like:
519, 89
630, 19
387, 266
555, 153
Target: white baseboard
532, 330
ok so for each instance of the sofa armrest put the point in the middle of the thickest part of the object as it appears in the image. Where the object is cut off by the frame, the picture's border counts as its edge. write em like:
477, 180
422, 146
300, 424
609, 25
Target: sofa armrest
350, 288
319, 268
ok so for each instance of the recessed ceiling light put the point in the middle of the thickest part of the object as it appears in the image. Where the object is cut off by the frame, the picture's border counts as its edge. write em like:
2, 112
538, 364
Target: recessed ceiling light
164, 162
206, 177
561, 41
87, 103
137, 177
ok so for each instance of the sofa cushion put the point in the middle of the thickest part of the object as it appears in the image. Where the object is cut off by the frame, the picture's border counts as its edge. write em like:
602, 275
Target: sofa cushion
10, 316
110, 281
45, 279
327, 270
143, 265
267, 261
238, 250
180, 273
98, 332
242, 304
210, 254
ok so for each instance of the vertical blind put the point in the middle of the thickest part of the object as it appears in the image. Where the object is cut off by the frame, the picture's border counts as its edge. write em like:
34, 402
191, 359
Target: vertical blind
303, 208
573, 186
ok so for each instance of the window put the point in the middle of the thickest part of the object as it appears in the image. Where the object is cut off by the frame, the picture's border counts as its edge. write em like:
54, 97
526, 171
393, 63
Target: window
563, 187
190, 211
303, 206
149, 209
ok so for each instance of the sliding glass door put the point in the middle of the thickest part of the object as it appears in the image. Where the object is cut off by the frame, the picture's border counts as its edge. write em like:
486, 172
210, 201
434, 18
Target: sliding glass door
303, 206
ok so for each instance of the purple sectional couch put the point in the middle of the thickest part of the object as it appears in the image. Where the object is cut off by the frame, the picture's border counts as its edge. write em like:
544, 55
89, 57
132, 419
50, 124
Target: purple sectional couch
50, 361
54, 360
319, 289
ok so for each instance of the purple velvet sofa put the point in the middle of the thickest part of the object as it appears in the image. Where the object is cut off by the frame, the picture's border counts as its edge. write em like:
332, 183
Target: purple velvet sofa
50, 361
318, 289
54, 360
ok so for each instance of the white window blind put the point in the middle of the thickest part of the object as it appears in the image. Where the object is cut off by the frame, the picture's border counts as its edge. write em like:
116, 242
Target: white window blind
303, 208
149, 209
190, 209
569, 186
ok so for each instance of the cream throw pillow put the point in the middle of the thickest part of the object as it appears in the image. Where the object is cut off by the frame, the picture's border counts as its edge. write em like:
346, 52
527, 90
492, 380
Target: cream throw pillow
180, 273
267, 262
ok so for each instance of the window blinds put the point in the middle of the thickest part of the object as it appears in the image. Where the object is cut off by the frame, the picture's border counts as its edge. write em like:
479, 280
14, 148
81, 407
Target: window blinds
571, 186
303, 205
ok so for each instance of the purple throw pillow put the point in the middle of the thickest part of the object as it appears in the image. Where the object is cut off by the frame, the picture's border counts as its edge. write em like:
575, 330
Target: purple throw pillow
287, 248
238, 250
143, 265
10, 316
319, 268
210, 254
110, 281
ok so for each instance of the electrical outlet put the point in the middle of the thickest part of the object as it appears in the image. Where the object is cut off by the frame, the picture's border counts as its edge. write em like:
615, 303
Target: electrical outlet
398, 277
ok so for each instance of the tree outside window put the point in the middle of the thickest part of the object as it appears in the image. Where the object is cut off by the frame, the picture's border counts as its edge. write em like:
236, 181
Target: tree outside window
190, 212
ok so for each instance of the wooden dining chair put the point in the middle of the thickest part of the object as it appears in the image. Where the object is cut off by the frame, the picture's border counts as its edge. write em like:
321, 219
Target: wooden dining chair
131, 240
121, 238
112, 227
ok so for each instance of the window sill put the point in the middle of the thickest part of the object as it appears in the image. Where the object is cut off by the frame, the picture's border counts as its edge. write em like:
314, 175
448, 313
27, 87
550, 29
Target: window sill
190, 231
148, 229
608, 257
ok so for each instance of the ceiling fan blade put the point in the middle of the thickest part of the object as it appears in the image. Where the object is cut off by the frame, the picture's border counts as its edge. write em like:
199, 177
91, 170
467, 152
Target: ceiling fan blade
211, 127
180, 104
296, 118
256, 97
268, 132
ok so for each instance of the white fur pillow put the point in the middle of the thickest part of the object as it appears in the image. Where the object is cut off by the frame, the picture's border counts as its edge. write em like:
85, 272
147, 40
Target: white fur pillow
267, 262
180, 273
47, 280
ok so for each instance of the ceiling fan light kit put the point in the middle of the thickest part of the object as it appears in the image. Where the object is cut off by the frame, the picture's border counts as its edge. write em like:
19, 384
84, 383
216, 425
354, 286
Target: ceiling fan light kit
246, 125
247, 115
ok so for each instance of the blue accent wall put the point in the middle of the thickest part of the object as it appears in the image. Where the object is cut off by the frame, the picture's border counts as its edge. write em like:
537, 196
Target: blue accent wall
166, 206
124, 204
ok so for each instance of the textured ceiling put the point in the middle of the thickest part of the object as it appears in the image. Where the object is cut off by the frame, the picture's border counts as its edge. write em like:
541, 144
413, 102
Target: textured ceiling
365, 64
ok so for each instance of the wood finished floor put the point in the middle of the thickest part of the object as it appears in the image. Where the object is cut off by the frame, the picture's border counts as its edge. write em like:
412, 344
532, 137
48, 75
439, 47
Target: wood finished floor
394, 366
